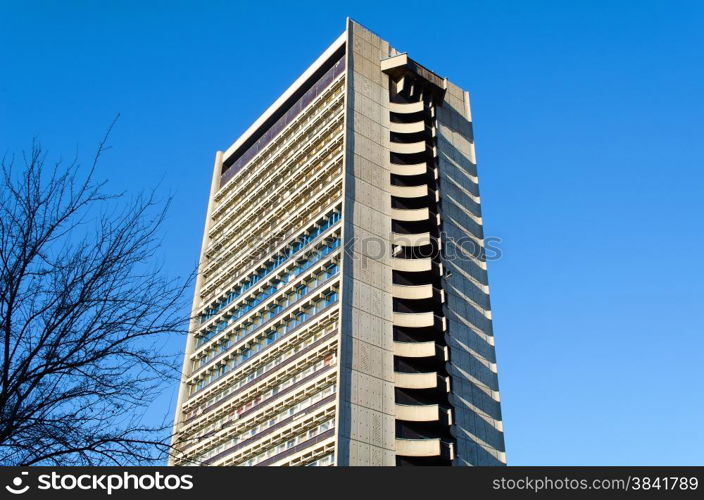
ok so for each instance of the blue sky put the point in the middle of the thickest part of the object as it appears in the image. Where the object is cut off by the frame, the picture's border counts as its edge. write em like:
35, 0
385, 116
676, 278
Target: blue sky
588, 121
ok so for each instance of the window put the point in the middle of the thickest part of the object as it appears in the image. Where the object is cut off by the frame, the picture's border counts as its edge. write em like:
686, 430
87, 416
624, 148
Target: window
330, 298
276, 261
330, 270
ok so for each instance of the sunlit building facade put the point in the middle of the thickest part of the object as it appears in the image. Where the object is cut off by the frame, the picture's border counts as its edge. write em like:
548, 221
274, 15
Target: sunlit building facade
341, 313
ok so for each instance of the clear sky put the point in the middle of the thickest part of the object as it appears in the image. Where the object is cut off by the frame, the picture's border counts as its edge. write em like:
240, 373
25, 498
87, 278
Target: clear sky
588, 119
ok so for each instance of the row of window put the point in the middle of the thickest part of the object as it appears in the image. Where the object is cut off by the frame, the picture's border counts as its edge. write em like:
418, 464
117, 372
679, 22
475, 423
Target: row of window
309, 175
324, 139
285, 300
299, 209
274, 263
273, 190
281, 130
267, 338
270, 336
312, 369
301, 438
266, 368
257, 321
275, 419
325, 461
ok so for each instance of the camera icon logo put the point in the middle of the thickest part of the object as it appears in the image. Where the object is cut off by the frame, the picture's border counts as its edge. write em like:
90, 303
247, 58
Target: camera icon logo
16, 488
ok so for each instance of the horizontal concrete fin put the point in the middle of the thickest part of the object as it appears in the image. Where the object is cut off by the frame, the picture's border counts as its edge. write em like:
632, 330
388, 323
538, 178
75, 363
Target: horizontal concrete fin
409, 191
412, 265
412, 292
407, 147
418, 413
415, 169
411, 107
416, 380
407, 128
418, 447
418, 214
414, 349
410, 240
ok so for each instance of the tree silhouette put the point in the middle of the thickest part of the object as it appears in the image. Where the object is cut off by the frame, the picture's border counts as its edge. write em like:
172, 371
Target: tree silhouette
84, 314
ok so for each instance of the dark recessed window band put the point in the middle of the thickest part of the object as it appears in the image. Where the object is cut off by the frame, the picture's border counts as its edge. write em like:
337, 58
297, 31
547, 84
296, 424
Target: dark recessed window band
268, 132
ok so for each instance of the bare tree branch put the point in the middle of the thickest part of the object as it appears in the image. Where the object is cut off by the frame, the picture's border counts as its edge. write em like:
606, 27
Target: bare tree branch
83, 318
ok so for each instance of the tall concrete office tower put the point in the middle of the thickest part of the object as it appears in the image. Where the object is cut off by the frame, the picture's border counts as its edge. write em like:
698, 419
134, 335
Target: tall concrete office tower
341, 315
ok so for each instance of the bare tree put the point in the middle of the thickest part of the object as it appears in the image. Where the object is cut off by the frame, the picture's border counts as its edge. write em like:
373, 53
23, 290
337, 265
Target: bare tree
83, 318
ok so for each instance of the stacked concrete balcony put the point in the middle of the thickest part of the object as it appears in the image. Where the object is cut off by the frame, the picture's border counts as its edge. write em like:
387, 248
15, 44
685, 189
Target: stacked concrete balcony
422, 384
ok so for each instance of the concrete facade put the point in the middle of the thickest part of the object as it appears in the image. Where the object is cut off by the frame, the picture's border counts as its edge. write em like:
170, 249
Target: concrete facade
366, 411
